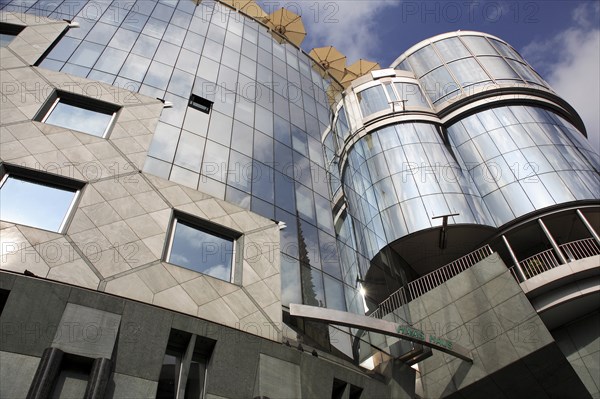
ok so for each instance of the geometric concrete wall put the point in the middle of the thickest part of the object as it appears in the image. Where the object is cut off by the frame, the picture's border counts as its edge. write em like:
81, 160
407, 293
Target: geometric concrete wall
484, 310
115, 240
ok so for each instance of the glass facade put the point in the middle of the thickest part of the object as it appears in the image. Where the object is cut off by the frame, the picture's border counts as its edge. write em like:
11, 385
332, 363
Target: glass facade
259, 146
399, 177
524, 158
457, 65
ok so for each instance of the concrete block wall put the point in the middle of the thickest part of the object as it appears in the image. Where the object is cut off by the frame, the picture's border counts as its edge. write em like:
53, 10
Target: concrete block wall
484, 310
116, 237
580, 343
241, 365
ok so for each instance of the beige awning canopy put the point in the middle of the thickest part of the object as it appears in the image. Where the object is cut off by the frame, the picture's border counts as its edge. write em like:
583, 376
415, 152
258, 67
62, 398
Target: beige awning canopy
287, 24
331, 59
252, 9
358, 69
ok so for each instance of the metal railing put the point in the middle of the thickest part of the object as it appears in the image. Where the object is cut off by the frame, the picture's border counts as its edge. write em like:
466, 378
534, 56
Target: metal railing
580, 249
539, 263
426, 283
546, 260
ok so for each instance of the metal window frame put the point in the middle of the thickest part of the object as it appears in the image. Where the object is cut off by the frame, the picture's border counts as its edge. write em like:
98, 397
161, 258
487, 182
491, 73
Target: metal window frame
82, 102
48, 180
208, 227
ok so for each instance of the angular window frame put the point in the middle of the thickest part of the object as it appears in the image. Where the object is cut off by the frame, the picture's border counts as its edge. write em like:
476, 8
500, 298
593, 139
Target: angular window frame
213, 229
78, 101
45, 179
9, 29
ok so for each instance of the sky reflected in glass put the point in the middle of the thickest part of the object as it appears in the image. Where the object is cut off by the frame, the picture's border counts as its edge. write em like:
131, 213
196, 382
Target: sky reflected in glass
202, 251
34, 204
80, 119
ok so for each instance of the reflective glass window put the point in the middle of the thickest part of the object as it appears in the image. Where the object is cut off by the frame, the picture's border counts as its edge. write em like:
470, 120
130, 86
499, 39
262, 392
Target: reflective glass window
372, 100
452, 49
197, 248
468, 71
438, 84
424, 60
498, 68
35, 203
479, 45
71, 115
411, 94
505, 49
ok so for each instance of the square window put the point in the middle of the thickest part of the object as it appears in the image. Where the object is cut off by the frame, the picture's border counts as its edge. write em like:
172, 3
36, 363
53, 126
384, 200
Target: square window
37, 199
201, 246
78, 113
201, 104
8, 32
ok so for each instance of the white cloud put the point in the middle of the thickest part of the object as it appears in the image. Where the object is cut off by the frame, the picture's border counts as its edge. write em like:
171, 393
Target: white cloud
570, 63
349, 25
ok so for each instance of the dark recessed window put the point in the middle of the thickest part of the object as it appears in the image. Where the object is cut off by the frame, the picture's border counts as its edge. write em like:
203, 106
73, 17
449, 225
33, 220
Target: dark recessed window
200, 246
8, 32
79, 113
176, 366
37, 199
201, 104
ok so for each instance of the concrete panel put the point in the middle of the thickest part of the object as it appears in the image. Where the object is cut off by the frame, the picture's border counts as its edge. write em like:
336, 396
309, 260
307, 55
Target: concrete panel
87, 332
272, 372
29, 321
142, 327
15, 367
122, 386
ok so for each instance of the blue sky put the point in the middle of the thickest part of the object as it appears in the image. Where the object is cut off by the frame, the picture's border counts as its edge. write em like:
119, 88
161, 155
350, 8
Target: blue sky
560, 39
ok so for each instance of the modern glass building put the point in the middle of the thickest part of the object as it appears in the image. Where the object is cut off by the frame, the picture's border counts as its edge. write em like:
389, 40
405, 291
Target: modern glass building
192, 206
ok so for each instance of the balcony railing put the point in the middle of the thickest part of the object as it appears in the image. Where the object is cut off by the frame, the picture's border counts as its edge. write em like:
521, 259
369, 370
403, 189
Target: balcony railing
539, 263
580, 249
546, 260
426, 283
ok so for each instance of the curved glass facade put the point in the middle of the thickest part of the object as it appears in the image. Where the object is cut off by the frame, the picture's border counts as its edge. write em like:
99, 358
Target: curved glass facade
399, 177
457, 65
524, 158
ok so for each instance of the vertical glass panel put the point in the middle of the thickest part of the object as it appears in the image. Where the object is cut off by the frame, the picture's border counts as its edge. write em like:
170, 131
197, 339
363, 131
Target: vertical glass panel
312, 287
189, 151
411, 94
505, 50
86, 54
111, 61
415, 215
498, 208
202, 251
424, 60
335, 293
372, 100
479, 45
438, 83
290, 281
34, 204
452, 49
468, 71
498, 68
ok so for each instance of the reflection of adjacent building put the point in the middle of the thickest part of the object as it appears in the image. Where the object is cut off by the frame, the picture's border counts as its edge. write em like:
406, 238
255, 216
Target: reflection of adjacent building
190, 172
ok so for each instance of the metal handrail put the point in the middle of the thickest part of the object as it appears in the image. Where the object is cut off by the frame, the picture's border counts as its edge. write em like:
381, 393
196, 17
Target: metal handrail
580, 249
546, 260
426, 283
539, 263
